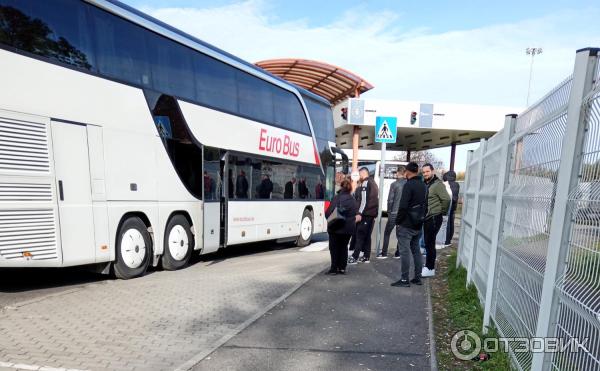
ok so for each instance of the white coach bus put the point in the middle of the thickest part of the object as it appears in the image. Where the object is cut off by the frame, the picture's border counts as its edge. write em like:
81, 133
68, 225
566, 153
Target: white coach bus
125, 142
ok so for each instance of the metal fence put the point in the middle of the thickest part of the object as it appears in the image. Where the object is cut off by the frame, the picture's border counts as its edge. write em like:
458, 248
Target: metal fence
530, 236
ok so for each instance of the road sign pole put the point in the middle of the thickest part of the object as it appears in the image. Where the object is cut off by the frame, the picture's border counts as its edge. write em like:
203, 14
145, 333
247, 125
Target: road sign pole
379, 211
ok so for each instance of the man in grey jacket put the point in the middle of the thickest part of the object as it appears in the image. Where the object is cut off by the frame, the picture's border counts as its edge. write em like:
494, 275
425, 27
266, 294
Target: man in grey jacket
393, 202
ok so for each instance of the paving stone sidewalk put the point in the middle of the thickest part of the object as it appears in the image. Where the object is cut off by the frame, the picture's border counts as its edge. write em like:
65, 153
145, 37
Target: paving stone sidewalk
352, 322
156, 322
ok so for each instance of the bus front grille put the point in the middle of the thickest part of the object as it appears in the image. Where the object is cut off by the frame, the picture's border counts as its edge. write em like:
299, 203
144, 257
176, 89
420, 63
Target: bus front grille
28, 235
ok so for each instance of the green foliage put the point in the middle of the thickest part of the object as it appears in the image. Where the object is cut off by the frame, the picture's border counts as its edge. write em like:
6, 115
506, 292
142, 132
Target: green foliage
465, 313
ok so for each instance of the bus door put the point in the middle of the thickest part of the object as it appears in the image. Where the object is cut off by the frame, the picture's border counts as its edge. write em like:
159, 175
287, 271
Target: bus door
214, 187
71, 163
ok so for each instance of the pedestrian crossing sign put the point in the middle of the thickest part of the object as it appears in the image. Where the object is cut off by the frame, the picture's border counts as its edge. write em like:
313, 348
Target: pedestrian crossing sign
385, 129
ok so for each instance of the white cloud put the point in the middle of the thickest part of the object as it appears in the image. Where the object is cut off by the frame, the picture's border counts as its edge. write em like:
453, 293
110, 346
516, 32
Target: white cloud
486, 65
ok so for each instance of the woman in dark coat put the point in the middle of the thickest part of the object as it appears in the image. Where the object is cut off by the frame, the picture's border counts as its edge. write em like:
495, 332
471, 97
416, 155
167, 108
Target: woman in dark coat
341, 231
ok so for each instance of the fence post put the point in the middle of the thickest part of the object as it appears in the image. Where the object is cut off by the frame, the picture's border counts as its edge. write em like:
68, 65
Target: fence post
471, 262
503, 172
464, 209
568, 175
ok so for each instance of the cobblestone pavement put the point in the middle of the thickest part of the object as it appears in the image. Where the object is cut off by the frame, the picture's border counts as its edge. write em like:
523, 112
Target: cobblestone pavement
157, 322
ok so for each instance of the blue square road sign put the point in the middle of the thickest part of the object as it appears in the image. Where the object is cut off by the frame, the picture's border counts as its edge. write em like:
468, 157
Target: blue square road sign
385, 129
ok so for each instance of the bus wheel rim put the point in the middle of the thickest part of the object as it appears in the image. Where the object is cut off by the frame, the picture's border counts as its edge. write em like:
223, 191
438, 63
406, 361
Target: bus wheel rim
178, 242
133, 248
306, 228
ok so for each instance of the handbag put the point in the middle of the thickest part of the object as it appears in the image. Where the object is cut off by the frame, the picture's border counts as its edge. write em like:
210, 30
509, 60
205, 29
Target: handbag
336, 220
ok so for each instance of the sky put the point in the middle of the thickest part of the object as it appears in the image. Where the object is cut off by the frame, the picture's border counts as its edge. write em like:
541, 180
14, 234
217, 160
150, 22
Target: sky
458, 51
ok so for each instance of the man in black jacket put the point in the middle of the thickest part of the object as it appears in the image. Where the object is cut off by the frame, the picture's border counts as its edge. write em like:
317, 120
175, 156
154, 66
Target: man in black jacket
409, 219
367, 197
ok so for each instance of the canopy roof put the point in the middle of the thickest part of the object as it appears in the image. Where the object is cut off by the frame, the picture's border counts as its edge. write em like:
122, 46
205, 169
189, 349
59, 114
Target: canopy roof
331, 82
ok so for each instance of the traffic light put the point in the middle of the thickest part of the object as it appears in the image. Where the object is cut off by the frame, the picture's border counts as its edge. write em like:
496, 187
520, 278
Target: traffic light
345, 114
413, 117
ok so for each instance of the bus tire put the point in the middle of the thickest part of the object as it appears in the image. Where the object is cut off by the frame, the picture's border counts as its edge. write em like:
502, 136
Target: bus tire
307, 228
134, 249
179, 243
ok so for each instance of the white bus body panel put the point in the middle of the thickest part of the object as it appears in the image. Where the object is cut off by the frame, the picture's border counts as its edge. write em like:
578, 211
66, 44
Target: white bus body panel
243, 135
250, 221
124, 148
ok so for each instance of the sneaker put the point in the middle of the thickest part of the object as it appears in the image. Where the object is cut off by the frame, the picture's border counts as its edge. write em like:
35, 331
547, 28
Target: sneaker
341, 271
416, 281
439, 247
381, 256
396, 256
447, 245
331, 272
352, 261
401, 283
362, 259
426, 272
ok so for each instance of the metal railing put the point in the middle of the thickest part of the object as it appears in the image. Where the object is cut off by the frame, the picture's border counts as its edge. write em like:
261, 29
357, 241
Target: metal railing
530, 237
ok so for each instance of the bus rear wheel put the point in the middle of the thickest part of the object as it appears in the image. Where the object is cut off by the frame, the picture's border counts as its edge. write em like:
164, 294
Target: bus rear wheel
306, 229
179, 243
134, 249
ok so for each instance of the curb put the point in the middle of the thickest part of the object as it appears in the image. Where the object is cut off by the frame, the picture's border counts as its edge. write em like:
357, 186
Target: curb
432, 347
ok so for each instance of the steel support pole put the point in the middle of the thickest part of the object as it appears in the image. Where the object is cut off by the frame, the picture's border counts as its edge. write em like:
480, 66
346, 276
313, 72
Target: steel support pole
568, 176
379, 211
473, 242
408, 156
505, 156
452, 156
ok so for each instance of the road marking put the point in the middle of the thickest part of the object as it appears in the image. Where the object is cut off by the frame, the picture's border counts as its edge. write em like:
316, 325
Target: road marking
203, 354
317, 246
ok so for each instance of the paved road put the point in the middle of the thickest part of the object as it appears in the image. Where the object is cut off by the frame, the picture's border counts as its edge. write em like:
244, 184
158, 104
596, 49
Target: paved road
70, 319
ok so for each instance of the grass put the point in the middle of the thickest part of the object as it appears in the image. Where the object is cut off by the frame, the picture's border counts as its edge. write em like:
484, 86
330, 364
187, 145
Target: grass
457, 307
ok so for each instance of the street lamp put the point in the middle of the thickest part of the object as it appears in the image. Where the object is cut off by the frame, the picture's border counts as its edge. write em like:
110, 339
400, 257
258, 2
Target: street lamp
532, 52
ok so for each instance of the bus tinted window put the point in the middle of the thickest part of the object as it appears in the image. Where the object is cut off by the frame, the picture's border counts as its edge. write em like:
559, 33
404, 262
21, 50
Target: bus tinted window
215, 83
124, 58
255, 99
52, 29
288, 111
172, 70
321, 118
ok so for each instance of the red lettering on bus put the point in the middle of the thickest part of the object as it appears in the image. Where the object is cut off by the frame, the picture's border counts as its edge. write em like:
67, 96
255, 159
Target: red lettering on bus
285, 146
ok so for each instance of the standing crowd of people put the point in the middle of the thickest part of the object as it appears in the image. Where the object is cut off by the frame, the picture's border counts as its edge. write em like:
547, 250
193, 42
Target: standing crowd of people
418, 203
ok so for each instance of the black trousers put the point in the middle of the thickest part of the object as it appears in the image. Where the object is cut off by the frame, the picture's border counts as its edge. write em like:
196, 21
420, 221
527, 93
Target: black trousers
362, 237
389, 227
430, 229
338, 249
450, 227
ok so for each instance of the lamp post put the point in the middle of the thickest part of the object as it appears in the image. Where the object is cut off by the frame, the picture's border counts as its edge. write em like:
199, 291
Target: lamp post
532, 52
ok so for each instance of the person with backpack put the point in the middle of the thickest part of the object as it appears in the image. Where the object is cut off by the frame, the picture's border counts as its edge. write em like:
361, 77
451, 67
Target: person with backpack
341, 228
455, 188
409, 219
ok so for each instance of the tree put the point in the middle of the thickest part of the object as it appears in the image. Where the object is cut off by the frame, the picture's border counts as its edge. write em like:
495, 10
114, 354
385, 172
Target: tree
422, 158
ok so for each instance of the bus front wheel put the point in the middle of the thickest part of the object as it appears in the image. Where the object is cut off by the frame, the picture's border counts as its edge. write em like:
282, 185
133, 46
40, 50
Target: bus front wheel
306, 229
134, 249
179, 243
